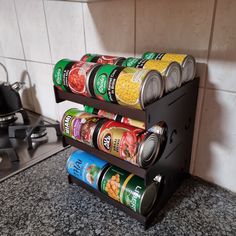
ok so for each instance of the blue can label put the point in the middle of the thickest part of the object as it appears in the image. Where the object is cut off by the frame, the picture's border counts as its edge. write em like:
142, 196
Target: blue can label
85, 167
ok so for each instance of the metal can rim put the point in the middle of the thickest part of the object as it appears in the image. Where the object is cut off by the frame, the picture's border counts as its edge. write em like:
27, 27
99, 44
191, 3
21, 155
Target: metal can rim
147, 78
154, 154
189, 57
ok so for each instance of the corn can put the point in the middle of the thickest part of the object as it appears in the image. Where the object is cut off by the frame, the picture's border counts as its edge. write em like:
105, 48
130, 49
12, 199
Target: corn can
80, 125
72, 76
86, 168
187, 62
127, 143
171, 71
138, 87
103, 59
129, 190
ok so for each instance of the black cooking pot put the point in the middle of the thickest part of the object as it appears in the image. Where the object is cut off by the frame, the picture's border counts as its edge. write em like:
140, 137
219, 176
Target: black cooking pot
10, 101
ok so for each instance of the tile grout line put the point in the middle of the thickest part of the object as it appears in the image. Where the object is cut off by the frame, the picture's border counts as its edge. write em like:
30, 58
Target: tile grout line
205, 82
84, 31
45, 17
135, 8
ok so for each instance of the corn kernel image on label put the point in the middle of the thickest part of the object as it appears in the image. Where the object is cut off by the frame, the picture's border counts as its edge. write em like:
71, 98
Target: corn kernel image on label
128, 86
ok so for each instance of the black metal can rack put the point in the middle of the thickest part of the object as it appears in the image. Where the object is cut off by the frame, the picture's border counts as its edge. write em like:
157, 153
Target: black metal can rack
178, 110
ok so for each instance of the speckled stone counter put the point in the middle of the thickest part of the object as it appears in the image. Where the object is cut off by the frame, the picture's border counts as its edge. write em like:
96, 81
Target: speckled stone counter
39, 201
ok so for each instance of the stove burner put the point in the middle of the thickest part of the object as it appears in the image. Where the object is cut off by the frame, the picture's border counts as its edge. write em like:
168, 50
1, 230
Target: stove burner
7, 120
39, 132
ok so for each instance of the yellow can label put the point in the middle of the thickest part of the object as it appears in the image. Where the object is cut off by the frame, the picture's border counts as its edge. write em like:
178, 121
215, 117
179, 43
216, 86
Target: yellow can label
160, 66
128, 86
174, 57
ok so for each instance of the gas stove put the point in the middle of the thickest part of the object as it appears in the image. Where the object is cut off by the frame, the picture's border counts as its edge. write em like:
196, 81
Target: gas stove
26, 138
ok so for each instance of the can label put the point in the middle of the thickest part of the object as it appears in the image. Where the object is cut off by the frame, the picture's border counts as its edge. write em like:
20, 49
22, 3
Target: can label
79, 125
85, 167
128, 86
61, 73
78, 76
123, 187
101, 59
104, 82
120, 140
165, 56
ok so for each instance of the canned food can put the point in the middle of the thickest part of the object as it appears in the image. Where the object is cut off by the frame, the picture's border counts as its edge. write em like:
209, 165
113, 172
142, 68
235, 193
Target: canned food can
171, 71
79, 125
103, 59
138, 87
86, 168
72, 76
127, 143
187, 62
129, 190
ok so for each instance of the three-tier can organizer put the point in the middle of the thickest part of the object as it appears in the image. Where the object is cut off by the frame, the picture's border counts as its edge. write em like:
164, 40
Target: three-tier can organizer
177, 109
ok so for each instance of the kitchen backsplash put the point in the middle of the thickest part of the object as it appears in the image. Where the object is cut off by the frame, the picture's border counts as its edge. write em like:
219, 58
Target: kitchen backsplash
35, 34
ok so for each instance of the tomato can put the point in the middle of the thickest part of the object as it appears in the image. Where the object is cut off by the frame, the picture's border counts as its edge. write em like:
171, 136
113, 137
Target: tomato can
171, 71
72, 76
103, 59
79, 125
127, 143
129, 190
86, 167
187, 62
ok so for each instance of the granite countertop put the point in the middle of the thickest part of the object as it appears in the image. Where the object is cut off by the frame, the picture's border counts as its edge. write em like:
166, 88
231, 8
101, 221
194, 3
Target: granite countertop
39, 201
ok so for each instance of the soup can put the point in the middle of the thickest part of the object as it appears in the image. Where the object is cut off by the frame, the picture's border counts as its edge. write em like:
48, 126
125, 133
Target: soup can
187, 62
72, 76
129, 190
86, 168
103, 59
171, 71
127, 143
126, 86
80, 125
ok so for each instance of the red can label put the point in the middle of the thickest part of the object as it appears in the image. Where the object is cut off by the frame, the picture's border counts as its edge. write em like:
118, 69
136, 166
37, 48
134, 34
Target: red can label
78, 76
120, 140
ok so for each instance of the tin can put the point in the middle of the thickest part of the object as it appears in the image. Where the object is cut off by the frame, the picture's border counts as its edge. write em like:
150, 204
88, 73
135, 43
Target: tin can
171, 71
103, 59
138, 87
127, 143
79, 125
126, 86
72, 76
187, 62
86, 167
115, 117
129, 190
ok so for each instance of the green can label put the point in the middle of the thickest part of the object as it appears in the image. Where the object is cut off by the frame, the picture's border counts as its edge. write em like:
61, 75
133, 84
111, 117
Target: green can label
131, 62
123, 187
61, 74
105, 81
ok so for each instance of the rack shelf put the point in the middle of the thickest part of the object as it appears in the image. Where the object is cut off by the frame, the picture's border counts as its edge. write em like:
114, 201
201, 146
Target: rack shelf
178, 110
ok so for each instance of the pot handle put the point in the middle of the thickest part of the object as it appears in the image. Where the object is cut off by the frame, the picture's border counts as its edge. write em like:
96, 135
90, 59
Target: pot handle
17, 86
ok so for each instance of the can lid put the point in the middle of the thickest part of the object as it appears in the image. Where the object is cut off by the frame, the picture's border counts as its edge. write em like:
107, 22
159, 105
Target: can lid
189, 68
173, 76
152, 88
148, 150
148, 199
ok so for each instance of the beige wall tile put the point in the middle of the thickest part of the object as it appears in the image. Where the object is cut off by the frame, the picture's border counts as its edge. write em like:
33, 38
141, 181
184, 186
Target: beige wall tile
109, 27
10, 42
215, 159
33, 30
222, 63
66, 32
